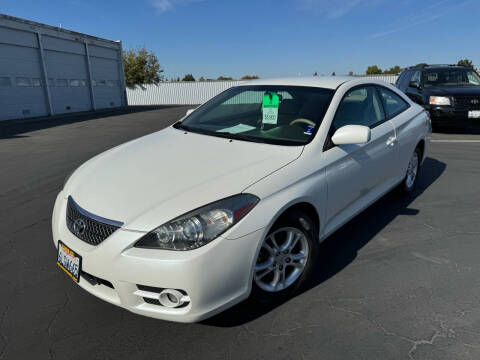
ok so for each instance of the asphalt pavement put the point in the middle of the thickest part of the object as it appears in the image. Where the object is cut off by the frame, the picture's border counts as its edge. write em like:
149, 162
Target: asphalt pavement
400, 281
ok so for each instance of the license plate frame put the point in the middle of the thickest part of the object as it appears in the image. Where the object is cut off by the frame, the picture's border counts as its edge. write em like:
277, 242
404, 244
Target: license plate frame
474, 114
69, 260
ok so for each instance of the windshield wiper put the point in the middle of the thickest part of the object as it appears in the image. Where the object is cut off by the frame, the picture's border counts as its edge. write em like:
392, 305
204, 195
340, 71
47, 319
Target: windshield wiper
231, 136
180, 125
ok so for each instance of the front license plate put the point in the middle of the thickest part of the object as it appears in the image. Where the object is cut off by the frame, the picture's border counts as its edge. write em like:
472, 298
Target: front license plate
69, 261
475, 114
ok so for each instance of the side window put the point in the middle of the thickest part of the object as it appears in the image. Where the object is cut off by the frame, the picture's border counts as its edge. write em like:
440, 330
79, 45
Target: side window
393, 103
416, 77
399, 79
405, 80
360, 106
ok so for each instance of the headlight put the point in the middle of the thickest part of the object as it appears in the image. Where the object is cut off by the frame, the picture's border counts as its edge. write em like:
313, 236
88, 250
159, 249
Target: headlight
439, 100
200, 226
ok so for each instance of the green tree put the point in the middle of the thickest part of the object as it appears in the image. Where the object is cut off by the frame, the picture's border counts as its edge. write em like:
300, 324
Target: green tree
224, 78
250, 77
315, 73
201, 79
188, 77
465, 62
373, 70
141, 67
333, 74
350, 73
393, 70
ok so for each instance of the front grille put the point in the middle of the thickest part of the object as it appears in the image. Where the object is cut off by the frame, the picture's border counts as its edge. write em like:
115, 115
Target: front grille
88, 227
472, 102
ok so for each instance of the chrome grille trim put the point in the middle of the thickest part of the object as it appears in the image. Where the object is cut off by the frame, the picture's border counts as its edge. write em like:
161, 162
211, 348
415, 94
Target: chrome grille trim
96, 228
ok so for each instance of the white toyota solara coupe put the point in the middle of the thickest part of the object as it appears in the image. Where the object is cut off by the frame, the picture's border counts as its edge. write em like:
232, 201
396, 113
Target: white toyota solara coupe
233, 200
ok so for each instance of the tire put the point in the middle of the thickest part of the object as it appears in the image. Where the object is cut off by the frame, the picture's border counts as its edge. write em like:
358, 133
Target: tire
410, 180
288, 262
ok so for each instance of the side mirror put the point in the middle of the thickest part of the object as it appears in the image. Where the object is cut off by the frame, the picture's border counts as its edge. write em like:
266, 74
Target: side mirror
352, 134
414, 84
189, 111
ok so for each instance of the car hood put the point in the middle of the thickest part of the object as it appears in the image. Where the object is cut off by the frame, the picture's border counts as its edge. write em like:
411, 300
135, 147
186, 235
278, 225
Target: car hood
148, 181
454, 90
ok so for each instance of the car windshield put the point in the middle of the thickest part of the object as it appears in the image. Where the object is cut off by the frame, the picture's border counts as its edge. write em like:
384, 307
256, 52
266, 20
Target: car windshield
451, 77
282, 115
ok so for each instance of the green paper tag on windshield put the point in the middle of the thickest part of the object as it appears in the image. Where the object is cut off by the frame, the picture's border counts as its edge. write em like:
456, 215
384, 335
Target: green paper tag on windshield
270, 108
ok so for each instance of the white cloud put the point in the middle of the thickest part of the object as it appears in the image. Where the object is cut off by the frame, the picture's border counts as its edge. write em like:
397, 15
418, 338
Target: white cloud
161, 5
422, 17
406, 27
165, 5
333, 8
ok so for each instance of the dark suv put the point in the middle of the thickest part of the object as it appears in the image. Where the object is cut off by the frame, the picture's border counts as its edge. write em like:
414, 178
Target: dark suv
450, 93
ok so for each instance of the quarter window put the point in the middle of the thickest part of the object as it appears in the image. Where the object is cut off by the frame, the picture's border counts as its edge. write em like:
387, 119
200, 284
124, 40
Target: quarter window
393, 103
360, 106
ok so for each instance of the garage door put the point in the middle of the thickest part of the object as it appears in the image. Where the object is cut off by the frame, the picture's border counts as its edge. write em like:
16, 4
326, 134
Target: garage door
67, 72
105, 75
22, 92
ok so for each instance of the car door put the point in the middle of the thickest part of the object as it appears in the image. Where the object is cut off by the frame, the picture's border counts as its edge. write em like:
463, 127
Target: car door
357, 174
405, 127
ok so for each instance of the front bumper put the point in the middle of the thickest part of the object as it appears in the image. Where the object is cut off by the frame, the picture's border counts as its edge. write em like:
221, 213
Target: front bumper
450, 114
215, 276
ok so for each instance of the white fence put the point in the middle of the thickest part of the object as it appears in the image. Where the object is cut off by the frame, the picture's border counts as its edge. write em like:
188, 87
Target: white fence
189, 92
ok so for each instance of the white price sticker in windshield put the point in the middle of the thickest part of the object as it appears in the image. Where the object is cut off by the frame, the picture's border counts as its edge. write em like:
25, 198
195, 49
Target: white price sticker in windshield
270, 108
270, 115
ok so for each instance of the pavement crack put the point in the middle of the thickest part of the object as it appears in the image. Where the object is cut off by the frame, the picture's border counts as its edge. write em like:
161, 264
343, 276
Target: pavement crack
55, 315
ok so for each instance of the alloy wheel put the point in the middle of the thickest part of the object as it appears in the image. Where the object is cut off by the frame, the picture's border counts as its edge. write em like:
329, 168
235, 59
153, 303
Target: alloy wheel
412, 170
282, 259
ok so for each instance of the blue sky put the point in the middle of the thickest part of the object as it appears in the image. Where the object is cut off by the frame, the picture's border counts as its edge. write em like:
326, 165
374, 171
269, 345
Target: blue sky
273, 38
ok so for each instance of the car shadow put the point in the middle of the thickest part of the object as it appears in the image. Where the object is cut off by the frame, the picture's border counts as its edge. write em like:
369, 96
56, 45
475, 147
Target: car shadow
341, 248
14, 128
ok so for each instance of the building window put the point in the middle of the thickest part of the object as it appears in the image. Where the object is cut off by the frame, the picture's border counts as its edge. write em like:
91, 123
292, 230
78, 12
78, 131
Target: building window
51, 82
23, 81
74, 82
100, 82
5, 81
94, 83
112, 83
61, 82
83, 82
36, 82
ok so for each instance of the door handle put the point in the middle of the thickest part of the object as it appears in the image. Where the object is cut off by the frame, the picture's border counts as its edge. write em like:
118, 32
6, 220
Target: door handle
391, 141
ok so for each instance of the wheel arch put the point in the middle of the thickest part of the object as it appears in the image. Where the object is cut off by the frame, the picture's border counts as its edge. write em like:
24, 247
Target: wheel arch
302, 206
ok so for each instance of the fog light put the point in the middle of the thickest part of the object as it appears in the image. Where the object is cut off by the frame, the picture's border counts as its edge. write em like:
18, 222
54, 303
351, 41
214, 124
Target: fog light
171, 298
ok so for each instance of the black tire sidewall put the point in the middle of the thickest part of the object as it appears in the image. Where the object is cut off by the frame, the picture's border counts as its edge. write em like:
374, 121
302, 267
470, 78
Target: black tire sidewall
291, 219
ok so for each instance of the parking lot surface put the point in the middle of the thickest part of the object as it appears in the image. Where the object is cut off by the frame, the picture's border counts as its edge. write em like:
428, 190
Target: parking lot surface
400, 281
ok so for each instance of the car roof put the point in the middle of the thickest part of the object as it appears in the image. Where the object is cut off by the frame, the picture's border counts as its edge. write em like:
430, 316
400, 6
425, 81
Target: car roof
436, 67
326, 82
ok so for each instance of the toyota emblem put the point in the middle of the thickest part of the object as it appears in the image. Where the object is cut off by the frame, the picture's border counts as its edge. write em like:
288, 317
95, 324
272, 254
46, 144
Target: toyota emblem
79, 226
